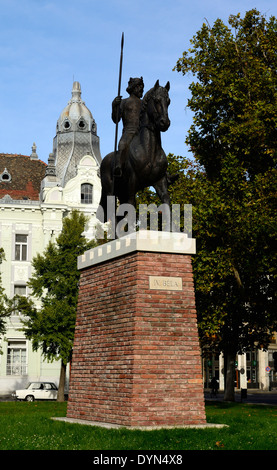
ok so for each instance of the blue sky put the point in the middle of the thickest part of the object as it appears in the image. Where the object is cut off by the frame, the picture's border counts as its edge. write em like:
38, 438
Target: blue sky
46, 44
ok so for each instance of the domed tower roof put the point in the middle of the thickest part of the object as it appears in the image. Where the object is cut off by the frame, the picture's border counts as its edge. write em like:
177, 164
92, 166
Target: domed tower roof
76, 137
75, 111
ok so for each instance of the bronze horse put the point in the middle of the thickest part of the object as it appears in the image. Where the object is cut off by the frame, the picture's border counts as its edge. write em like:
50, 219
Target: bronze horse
146, 162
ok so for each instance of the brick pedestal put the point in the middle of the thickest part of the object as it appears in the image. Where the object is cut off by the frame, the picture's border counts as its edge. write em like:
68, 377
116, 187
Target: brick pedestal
136, 357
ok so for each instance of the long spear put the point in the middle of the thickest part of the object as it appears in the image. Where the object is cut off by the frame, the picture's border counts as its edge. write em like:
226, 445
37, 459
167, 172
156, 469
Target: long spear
118, 93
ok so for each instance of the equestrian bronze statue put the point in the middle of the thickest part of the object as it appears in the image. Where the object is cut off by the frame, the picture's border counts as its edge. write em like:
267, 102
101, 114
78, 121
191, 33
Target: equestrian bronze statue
140, 161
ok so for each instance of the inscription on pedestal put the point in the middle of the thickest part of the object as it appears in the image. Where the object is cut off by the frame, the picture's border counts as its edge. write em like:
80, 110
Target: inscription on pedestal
165, 283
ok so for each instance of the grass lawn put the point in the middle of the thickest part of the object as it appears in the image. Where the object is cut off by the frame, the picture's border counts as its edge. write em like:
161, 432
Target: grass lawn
28, 426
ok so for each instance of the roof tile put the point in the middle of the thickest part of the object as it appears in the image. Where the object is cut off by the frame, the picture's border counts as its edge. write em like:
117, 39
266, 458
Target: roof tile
26, 176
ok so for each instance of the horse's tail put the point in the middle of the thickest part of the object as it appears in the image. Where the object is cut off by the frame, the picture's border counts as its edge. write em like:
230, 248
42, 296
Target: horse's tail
106, 175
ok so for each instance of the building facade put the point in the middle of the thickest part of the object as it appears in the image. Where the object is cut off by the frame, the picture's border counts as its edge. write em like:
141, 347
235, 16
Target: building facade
256, 369
34, 199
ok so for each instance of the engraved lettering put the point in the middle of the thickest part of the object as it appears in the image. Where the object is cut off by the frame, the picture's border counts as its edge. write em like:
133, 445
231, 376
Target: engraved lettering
165, 283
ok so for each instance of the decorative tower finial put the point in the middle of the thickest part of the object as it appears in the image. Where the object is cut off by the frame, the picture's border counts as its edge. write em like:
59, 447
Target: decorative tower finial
51, 169
76, 92
34, 155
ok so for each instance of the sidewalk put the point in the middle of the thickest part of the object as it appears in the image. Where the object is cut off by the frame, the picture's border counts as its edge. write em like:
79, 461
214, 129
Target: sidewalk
253, 396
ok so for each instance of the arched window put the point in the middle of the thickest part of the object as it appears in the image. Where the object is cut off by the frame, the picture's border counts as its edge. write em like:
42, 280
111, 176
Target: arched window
5, 176
86, 193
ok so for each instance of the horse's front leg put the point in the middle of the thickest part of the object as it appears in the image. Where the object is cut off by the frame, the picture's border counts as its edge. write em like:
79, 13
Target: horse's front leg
161, 188
126, 211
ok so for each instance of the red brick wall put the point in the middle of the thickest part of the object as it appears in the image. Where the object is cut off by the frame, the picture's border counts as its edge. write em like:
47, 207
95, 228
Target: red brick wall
136, 359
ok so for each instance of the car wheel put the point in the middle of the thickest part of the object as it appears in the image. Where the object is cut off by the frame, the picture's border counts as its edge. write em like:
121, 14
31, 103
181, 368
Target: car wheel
30, 398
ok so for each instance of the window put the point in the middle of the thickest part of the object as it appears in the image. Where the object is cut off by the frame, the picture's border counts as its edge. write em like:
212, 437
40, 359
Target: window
21, 247
82, 124
86, 193
67, 125
35, 386
252, 367
16, 358
5, 176
18, 290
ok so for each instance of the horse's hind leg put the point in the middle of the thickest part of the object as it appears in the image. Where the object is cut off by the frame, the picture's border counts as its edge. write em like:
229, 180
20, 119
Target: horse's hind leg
161, 190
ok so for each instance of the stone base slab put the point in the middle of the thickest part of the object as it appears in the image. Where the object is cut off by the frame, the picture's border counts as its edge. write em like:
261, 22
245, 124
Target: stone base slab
139, 428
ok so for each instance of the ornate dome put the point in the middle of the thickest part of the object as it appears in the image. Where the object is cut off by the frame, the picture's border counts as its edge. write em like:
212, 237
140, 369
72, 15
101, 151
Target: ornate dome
76, 137
76, 116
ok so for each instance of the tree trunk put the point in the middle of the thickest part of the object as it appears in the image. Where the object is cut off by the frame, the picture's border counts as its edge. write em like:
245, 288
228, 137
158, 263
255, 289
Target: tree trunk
60, 396
229, 375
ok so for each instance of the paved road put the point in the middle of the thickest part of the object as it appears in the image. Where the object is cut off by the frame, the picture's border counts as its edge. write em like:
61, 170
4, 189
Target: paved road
253, 396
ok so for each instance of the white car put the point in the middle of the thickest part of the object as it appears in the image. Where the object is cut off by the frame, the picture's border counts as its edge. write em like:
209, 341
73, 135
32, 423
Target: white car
37, 391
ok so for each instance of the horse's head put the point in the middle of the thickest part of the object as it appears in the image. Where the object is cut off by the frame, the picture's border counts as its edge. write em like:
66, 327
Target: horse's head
155, 103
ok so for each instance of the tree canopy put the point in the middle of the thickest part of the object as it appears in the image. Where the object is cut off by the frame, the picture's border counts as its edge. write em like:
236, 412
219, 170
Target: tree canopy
234, 95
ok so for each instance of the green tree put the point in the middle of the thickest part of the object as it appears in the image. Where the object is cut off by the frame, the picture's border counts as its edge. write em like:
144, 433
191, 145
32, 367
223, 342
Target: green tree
234, 97
55, 283
233, 185
234, 223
